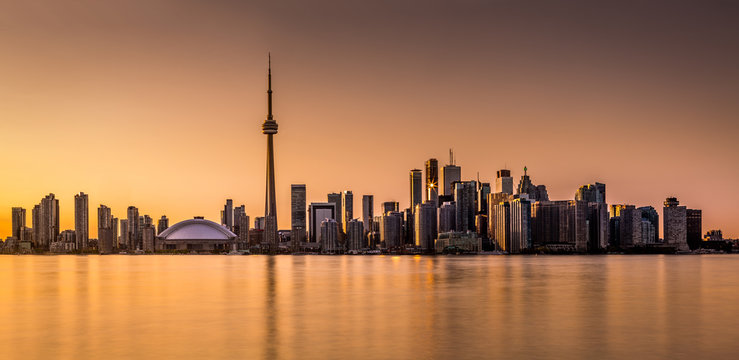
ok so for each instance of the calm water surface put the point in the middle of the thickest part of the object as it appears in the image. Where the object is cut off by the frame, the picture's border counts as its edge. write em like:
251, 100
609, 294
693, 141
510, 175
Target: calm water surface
339, 307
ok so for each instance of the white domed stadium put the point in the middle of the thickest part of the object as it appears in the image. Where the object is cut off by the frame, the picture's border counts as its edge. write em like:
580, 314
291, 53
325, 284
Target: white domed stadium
196, 234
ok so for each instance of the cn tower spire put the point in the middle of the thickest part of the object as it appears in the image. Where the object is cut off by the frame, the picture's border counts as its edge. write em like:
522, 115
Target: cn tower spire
269, 86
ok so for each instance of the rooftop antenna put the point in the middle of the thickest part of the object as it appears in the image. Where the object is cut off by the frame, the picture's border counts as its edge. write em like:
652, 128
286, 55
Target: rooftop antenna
451, 156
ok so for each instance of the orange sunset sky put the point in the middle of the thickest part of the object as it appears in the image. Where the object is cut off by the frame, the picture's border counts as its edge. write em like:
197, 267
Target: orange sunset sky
159, 104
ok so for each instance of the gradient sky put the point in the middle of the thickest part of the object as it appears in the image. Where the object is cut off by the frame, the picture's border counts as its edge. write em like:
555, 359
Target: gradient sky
159, 103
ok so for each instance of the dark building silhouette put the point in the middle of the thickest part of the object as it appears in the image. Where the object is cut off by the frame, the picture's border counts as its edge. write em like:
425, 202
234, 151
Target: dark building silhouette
694, 231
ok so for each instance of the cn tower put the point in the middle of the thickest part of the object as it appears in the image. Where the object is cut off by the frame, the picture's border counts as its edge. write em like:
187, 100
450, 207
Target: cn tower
269, 128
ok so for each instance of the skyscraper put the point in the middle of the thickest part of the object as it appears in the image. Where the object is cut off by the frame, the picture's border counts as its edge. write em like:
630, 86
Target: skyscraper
626, 222
18, 221
483, 190
297, 214
46, 221
694, 228
425, 222
148, 239
591, 193
317, 213
243, 221
106, 230
329, 236
238, 212
368, 212
355, 235
447, 217
163, 224
228, 215
504, 182
335, 198
450, 174
560, 223
432, 180
416, 182
123, 235
527, 189
408, 227
269, 128
81, 220
512, 225
464, 198
347, 208
650, 214
132, 232
391, 229
675, 224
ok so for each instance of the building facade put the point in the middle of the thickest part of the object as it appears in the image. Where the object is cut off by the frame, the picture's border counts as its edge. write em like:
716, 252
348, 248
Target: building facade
297, 213
675, 224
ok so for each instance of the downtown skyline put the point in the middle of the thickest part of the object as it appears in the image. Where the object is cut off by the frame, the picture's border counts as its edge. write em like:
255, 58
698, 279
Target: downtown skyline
177, 135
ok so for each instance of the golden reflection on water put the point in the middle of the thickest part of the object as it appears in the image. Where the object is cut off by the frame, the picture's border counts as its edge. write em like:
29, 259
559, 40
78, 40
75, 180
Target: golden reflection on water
337, 307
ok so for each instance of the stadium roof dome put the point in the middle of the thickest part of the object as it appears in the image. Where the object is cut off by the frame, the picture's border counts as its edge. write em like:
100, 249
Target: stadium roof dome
196, 229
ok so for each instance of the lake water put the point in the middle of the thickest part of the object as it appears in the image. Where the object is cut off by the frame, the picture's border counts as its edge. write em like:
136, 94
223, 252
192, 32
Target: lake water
378, 307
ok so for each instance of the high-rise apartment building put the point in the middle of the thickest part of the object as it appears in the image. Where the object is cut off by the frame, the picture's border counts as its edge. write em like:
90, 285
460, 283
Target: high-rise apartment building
106, 230
391, 229
18, 222
561, 223
368, 212
347, 208
243, 221
46, 221
626, 226
133, 234
425, 225
227, 216
416, 183
329, 236
650, 214
675, 224
81, 220
148, 238
123, 235
355, 235
163, 224
512, 225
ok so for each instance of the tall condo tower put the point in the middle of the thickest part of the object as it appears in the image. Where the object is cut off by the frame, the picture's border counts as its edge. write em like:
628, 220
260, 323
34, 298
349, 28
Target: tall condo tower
269, 128
416, 188
432, 180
